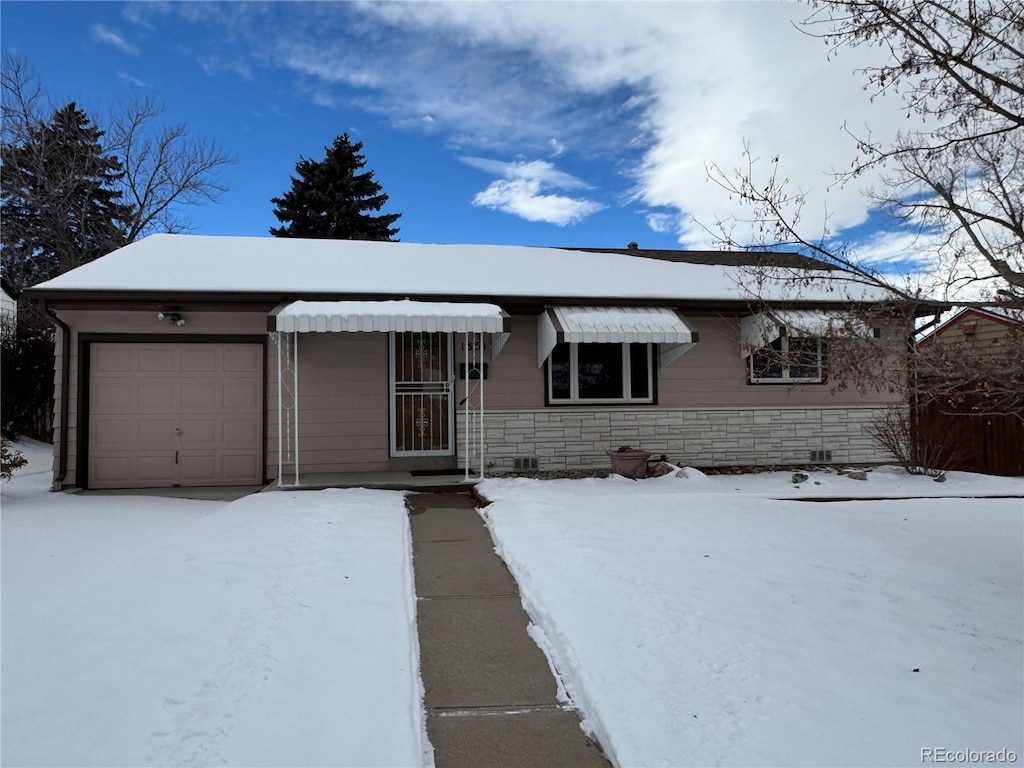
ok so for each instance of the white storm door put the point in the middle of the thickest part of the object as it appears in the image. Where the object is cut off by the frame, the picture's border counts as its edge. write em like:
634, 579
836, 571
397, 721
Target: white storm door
422, 411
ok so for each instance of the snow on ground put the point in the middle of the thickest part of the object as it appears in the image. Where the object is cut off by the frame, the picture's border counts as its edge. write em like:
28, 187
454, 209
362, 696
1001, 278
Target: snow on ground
277, 630
882, 482
694, 625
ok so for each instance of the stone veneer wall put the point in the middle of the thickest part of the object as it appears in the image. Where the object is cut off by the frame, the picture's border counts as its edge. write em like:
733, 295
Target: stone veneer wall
577, 438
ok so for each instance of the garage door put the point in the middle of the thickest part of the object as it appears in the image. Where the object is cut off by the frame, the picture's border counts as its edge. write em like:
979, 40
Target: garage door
170, 414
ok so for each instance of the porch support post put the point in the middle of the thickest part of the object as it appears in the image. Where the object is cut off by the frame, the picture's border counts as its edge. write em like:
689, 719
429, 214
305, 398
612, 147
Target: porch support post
481, 380
467, 434
295, 398
280, 411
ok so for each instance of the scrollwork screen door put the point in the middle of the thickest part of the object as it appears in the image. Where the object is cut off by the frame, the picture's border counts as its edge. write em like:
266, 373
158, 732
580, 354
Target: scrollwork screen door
421, 404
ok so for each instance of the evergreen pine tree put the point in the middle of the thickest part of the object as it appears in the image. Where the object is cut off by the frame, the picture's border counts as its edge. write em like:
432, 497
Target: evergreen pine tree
59, 205
331, 198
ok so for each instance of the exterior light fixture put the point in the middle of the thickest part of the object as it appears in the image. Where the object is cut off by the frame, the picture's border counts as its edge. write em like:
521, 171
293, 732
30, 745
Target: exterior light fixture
172, 318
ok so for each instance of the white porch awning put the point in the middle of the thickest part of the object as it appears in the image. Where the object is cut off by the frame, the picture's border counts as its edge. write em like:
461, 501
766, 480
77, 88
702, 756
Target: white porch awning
616, 325
762, 329
384, 316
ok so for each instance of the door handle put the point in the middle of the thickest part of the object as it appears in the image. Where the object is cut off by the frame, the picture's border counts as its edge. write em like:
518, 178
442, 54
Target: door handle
175, 457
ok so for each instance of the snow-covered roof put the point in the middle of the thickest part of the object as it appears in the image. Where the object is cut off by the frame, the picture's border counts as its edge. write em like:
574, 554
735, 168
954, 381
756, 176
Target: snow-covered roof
287, 266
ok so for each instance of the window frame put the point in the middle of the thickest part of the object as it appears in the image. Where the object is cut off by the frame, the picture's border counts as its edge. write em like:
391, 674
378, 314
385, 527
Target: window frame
627, 373
786, 378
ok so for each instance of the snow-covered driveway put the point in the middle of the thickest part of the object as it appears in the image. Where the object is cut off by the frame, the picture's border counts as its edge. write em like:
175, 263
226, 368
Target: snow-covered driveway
695, 624
276, 630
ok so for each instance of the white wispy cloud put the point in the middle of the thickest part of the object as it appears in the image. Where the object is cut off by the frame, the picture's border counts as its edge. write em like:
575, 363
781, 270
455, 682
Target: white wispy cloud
214, 64
539, 170
652, 91
524, 191
700, 78
930, 262
663, 223
113, 37
129, 78
525, 198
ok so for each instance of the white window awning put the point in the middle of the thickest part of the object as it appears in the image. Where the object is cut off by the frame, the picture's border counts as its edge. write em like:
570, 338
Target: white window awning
762, 329
384, 316
615, 325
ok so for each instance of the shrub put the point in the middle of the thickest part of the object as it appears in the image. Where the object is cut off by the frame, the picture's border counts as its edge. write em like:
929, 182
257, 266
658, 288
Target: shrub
894, 432
26, 397
10, 459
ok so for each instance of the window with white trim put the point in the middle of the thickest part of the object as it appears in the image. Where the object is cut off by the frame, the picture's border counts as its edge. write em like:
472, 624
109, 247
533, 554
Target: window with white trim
788, 360
601, 373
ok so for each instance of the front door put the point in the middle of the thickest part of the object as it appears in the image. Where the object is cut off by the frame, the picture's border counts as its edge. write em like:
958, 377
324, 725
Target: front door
421, 394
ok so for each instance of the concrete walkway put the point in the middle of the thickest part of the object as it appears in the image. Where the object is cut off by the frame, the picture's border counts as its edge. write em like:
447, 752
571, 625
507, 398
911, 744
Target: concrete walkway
490, 695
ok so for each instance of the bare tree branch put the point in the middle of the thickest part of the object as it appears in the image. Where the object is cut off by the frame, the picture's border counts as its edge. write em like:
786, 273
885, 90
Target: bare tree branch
164, 168
956, 187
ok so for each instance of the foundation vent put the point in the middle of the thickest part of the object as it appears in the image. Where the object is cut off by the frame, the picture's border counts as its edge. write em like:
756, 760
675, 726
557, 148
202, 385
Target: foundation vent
525, 464
821, 456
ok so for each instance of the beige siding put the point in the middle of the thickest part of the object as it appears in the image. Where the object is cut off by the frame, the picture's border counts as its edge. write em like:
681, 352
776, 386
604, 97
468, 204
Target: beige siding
135, 323
343, 403
987, 333
711, 374
513, 380
58, 396
343, 413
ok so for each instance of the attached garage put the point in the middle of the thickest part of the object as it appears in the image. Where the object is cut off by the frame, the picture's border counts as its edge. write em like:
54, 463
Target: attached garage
169, 413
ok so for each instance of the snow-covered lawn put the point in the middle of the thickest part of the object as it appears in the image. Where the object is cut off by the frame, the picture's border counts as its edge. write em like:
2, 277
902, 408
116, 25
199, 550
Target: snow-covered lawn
277, 630
697, 624
694, 621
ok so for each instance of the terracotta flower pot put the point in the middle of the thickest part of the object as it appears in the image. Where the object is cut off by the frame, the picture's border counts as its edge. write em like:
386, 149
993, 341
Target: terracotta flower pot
631, 463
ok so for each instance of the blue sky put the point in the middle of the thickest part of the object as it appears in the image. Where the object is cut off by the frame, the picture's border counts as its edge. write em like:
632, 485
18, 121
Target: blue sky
580, 123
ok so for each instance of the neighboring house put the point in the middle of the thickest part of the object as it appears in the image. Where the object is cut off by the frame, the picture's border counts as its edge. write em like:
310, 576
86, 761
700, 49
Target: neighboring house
8, 304
193, 360
976, 329
969, 411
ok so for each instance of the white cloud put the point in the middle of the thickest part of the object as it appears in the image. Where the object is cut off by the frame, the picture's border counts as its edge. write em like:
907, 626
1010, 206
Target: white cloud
128, 78
663, 223
929, 262
700, 78
653, 91
539, 170
324, 100
523, 191
214, 64
114, 38
524, 198
896, 247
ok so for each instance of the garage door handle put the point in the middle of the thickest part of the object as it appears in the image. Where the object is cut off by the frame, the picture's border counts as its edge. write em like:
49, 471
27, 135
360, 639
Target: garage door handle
175, 457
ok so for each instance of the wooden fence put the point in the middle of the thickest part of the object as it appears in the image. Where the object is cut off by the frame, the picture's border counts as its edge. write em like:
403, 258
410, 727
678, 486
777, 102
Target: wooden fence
966, 441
